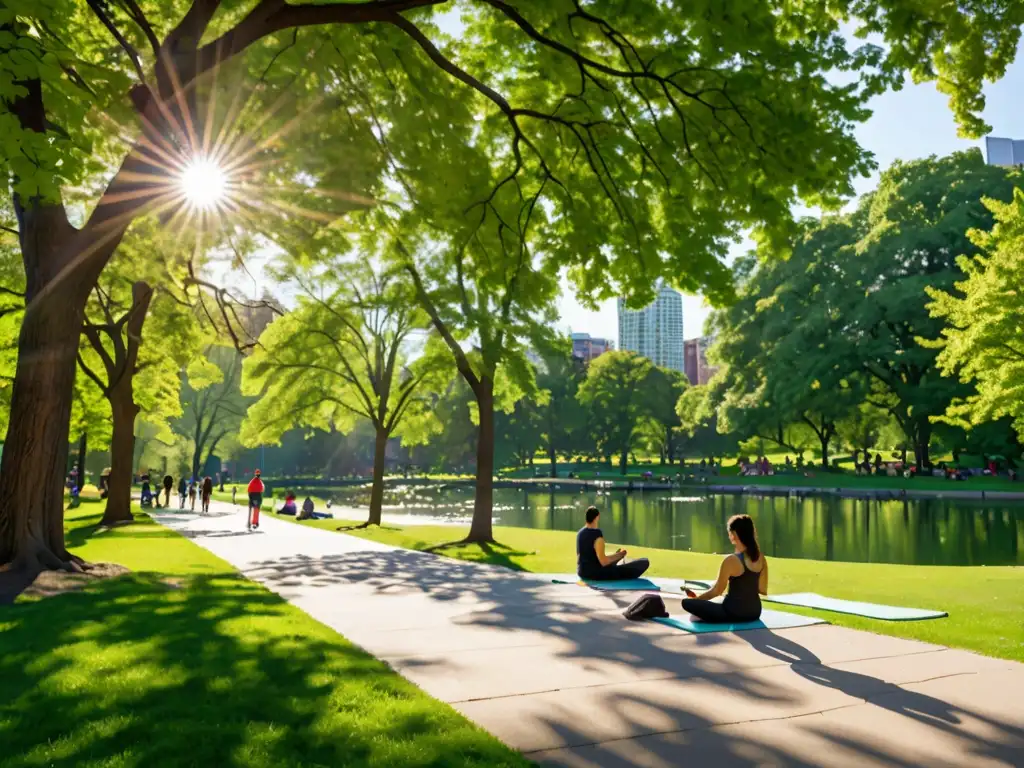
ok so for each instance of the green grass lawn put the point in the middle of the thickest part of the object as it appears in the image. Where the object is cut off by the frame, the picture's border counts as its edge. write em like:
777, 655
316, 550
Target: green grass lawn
985, 604
186, 663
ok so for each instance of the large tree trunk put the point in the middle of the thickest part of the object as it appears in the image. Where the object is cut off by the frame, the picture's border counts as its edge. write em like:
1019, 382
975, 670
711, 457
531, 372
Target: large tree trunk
922, 442
825, 438
377, 490
481, 528
36, 447
553, 458
121, 396
83, 451
624, 460
62, 265
122, 454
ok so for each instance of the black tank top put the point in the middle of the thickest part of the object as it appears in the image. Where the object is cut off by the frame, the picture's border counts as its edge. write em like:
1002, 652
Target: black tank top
743, 599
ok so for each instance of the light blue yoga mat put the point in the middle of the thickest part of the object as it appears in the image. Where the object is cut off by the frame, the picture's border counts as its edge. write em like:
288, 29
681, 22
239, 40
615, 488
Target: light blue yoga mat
852, 607
768, 620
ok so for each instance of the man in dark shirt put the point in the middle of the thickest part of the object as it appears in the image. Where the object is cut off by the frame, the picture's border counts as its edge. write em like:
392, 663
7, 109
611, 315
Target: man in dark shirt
591, 561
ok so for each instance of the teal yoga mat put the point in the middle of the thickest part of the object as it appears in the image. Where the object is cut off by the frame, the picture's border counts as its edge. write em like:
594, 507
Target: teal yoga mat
768, 620
852, 607
638, 585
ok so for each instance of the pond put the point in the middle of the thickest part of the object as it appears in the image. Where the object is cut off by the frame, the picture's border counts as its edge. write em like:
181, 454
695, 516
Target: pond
928, 532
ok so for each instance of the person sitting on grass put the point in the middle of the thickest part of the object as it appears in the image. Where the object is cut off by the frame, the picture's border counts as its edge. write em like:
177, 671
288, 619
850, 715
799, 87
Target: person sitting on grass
289, 505
592, 562
745, 573
307, 510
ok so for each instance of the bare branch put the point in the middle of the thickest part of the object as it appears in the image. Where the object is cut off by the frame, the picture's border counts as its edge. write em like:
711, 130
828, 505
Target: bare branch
92, 375
272, 16
97, 8
461, 361
135, 13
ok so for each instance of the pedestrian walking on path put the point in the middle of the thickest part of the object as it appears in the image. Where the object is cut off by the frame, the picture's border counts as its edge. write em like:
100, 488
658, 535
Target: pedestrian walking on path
255, 502
207, 493
168, 485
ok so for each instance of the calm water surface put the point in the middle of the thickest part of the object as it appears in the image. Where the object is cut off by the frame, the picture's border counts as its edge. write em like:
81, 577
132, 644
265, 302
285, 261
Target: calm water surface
931, 532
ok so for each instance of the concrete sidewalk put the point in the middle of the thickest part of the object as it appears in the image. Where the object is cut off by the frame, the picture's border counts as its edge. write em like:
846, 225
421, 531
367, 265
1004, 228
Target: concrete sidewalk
555, 671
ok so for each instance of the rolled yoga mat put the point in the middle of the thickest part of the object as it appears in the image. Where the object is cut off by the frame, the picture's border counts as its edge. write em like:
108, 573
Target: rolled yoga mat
769, 620
854, 608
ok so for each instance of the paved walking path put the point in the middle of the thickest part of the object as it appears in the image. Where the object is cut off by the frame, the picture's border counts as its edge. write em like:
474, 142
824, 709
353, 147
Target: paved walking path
555, 671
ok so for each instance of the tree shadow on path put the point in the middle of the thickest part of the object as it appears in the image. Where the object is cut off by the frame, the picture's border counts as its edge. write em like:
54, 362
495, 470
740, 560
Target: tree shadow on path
615, 671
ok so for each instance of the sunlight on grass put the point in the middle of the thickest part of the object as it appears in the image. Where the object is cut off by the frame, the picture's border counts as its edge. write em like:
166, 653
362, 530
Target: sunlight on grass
186, 663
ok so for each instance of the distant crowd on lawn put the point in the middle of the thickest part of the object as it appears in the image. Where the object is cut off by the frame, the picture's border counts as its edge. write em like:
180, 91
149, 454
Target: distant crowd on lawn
897, 467
994, 466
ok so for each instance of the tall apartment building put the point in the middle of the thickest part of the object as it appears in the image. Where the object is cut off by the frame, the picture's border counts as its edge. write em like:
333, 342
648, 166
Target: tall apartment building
1005, 152
696, 362
586, 347
656, 331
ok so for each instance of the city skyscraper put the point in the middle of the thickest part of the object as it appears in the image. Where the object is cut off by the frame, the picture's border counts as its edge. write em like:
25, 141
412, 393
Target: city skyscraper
1005, 152
656, 331
586, 347
695, 352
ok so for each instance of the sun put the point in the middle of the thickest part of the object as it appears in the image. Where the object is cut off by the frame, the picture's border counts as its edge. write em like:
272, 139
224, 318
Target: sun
203, 183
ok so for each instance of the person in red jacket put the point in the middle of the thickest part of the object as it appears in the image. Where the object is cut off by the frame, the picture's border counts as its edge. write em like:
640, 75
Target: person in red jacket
255, 501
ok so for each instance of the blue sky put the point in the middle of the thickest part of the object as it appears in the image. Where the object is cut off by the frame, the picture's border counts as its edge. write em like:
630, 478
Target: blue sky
909, 124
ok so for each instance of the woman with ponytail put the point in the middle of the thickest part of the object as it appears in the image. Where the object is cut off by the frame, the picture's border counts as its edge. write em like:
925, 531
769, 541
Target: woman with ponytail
744, 572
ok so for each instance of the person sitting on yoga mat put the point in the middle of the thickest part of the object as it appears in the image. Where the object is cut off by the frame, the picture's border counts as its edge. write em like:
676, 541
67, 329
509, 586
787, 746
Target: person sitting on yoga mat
745, 573
591, 561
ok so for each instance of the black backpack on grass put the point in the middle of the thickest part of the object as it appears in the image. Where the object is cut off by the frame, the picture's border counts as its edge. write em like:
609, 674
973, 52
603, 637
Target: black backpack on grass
646, 607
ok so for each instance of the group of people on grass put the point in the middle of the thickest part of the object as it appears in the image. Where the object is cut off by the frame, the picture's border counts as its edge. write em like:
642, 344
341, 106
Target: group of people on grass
742, 576
308, 511
760, 467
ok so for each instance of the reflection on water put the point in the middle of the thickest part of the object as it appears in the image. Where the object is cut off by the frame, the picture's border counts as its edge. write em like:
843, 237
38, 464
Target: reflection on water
928, 532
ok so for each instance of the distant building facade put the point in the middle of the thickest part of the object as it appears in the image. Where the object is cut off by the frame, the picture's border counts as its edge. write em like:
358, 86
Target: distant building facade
695, 353
586, 347
1004, 152
656, 331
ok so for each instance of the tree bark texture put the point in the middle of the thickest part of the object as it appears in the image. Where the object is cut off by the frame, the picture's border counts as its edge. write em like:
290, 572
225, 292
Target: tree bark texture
36, 447
922, 441
377, 490
482, 528
122, 452
62, 265
83, 451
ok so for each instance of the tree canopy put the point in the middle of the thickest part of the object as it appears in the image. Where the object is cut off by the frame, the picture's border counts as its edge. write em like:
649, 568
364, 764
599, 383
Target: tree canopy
615, 392
624, 142
982, 341
844, 320
346, 353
